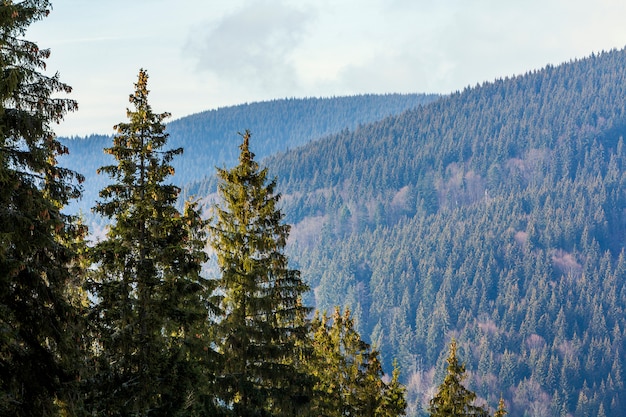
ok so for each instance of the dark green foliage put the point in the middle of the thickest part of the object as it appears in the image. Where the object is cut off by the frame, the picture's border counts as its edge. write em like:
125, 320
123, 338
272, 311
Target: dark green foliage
452, 398
494, 214
153, 353
39, 290
263, 332
348, 372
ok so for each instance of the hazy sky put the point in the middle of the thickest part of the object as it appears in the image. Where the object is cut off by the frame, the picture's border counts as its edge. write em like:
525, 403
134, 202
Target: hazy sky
204, 54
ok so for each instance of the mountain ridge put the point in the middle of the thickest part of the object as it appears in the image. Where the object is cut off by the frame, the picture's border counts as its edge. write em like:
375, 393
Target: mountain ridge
277, 125
494, 215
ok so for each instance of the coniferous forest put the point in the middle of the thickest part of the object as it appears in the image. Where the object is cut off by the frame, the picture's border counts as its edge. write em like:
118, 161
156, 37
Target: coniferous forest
427, 255
128, 325
495, 216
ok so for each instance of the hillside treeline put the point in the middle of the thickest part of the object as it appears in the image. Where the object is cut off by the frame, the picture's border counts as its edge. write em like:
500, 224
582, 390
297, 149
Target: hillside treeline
208, 137
494, 215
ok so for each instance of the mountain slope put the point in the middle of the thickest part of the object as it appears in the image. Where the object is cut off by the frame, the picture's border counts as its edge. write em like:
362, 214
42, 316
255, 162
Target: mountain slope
495, 215
276, 125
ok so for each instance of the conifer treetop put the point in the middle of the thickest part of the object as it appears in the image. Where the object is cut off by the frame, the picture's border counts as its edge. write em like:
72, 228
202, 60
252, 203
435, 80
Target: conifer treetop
452, 398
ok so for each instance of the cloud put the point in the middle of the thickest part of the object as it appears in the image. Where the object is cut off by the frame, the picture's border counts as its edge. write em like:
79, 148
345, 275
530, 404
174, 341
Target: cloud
445, 46
253, 45
492, 38
391, 47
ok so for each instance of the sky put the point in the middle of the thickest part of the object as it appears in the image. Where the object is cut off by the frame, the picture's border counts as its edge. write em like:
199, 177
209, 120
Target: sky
206, 54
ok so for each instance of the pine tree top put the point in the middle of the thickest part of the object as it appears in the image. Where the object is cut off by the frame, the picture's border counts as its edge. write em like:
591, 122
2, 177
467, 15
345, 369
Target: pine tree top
452, 398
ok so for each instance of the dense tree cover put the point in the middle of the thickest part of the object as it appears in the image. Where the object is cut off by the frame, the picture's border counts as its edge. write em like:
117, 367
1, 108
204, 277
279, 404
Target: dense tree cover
151, 306
40, 300
494, 214
161, 340
165, 340
278, 125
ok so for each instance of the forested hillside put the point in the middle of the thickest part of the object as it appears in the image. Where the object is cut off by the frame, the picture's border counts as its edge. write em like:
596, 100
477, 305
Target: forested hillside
492, 220
495, 215
209, 138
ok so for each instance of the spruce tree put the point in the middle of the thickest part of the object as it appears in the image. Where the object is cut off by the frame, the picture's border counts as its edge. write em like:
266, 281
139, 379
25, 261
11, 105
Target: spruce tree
348, 373
394, 401
152, 306
264, 329
501, 411
452, 398
39, 319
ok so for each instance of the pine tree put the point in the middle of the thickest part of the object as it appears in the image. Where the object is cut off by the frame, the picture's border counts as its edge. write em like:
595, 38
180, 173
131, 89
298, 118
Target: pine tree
394, 398
39, 319
348, 373
501, 411
264, 328
452, 398
152, 305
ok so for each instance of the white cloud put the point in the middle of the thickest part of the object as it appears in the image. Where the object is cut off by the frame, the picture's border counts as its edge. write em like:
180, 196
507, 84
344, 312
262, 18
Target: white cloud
201, 54
253, 45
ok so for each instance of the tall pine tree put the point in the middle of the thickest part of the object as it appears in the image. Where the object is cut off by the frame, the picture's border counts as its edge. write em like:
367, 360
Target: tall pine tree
264, 328
152, 307
38, 318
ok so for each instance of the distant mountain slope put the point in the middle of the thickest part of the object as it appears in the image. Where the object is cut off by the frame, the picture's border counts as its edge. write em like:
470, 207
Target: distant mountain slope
276, 125
496, 215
